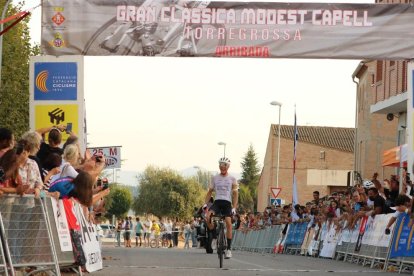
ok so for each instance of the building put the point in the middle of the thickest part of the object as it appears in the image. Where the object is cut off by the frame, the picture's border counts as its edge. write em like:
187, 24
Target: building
324, 156
381, 113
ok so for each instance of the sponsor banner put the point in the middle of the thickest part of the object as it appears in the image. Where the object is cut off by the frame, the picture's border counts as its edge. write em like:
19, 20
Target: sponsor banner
403, 242
57, 114
375, 231
56, 94
90, 240
227, 29
296, 233
61, 225
55, 81
112, 156
329, 242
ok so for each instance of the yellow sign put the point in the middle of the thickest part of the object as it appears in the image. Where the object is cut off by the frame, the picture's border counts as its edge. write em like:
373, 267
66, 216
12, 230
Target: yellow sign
60, 114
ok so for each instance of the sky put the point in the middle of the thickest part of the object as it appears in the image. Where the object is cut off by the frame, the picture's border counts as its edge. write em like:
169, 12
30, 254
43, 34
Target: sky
172, 112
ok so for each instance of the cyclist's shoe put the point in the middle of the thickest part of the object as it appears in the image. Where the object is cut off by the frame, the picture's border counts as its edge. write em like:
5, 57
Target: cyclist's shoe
228, 254
214, 244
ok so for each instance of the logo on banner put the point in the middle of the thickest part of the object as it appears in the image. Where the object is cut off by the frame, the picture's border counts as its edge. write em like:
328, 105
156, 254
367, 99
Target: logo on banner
58, 41
50, 115
58, 18
41, 80
55, 81
56, 116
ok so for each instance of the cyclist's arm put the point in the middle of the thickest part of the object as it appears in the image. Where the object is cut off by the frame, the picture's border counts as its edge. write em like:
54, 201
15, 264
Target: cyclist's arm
209, 192
235, 188
208, 195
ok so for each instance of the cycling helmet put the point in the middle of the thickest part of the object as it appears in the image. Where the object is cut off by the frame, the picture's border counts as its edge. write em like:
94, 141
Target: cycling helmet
224, 160
368, 184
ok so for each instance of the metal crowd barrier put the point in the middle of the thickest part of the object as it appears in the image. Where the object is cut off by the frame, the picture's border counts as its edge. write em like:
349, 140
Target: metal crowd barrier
27, 241
264, 240
65, 259
3, 266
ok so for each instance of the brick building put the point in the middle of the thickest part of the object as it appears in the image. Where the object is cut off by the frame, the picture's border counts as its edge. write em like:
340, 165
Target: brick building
381, 91
324, 156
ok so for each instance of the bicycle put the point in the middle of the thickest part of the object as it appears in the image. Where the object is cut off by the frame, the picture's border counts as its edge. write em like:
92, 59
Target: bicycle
219, 223
151, 39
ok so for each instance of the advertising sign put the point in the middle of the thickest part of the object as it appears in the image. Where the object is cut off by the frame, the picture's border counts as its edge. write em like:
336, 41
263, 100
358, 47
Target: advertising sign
61, 225
60, 114
227, 29
55, 81
56, 94
112, 156
90, 239
403, 242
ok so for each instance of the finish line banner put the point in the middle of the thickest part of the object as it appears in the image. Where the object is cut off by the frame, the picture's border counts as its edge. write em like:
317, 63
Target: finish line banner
227, 29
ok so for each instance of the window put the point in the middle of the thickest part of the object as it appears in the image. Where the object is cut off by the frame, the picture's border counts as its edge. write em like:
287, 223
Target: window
379, 70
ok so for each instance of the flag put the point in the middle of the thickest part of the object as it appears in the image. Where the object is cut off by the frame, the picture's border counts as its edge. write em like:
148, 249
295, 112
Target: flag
295, 199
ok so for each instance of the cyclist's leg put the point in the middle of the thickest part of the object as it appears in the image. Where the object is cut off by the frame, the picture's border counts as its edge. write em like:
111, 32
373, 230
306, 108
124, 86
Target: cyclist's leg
210, 224
229, 232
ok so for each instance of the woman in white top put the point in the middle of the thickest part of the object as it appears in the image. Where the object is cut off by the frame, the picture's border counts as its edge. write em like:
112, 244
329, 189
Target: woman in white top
69, 163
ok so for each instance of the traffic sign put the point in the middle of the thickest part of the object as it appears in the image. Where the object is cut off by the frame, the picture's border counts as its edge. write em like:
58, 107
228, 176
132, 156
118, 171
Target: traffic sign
275, 191
276, 201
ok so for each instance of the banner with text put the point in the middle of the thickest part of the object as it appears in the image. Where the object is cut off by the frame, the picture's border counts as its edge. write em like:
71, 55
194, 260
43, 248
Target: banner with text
61, 225
56, 95
90, 241
227, 29
112, 156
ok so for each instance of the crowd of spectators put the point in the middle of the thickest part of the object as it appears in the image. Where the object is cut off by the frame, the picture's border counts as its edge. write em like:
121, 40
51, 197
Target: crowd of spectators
39, 166
344, 208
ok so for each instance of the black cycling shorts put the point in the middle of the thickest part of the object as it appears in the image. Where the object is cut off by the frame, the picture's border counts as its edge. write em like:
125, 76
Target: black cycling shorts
221, 207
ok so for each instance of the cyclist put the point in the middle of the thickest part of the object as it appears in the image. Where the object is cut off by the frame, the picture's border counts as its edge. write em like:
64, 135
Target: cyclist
226, 189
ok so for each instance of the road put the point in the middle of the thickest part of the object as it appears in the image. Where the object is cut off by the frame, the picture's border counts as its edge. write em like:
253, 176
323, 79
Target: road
171, 262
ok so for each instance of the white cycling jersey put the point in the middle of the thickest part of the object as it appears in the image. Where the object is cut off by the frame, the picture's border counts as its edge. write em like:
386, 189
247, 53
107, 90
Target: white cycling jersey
223, 186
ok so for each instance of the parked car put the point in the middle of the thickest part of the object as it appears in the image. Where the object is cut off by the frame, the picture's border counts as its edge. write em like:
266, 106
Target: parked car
107, 230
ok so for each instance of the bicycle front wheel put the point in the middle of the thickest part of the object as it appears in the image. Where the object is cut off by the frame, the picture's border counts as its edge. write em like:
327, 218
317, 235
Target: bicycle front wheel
221, 245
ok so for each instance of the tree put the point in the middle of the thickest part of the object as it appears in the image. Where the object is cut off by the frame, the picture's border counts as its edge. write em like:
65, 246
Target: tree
204, 177
14, 86
119, 201
250, 174
246, 201
163, 192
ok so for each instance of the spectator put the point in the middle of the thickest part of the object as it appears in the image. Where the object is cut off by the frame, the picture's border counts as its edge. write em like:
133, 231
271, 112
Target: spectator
6, 140
157, 231
334, 209
147, 231
127, 234
138, 232
10, 180
168, 230
315, 197
34, 140
187, 235
118, 232
379, 203
403, 204
79, 188
28, 169
54, 141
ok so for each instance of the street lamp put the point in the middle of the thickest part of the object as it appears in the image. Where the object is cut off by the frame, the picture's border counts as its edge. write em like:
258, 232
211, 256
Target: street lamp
278, 144
223, 144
